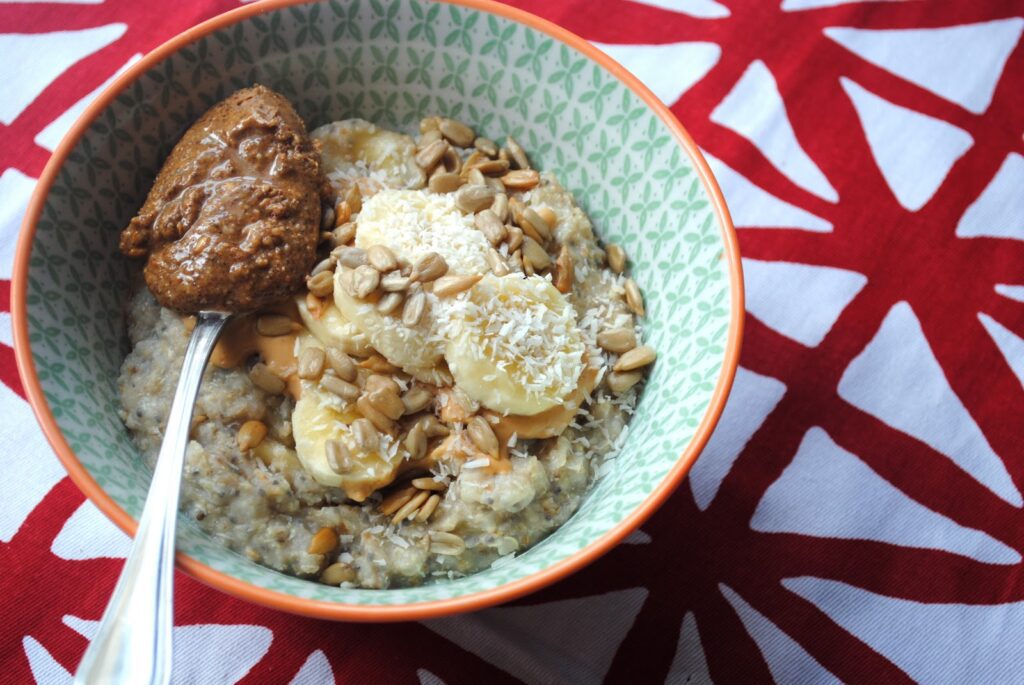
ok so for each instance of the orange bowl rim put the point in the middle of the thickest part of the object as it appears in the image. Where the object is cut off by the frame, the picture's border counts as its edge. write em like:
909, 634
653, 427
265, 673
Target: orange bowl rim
357, 612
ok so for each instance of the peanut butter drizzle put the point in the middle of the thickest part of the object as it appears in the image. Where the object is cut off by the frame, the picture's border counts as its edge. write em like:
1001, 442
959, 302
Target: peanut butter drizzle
241, 340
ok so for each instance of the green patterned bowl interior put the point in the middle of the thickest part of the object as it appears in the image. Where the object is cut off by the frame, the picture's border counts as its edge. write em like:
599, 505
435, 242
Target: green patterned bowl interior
392, 63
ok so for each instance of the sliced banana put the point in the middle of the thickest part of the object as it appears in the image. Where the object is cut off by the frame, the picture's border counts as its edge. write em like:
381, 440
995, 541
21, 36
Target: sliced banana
416, 349
513, 344
334, 330
412, 223
320, 416
356, 149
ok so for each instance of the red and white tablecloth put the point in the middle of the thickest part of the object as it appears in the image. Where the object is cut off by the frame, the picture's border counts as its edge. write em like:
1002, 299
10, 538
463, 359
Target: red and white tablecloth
857, 516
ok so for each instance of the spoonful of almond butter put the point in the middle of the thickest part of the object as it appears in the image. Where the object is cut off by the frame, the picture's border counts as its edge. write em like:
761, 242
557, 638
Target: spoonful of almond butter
230, 225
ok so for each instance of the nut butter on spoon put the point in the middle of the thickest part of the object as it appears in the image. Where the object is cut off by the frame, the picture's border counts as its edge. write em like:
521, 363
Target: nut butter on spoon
230, 225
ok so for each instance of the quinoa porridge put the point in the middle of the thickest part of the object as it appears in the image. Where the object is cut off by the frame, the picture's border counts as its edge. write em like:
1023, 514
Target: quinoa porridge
439, 395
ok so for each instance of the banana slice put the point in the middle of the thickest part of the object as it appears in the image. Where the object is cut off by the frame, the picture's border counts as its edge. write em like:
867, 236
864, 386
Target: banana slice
513, 344
416, 349
356, 149
320, 416
334, 330
412, 223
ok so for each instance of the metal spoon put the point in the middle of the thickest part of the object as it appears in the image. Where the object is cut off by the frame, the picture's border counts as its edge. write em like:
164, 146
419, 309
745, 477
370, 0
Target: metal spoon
133, 644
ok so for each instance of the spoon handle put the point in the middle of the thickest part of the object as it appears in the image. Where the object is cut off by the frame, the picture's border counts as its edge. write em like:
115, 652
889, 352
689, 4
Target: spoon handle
133, 643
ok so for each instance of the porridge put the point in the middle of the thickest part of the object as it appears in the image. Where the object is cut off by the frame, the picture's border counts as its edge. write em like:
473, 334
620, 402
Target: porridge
440, 389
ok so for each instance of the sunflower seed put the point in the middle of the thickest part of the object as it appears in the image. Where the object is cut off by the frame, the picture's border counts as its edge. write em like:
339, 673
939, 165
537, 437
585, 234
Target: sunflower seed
515, 238
375, 416
250, 435
530, 219
486, 146
409, 510
337, 573
616, 258
634, 298
446, 543
339, 459
430, 156
457, 132
446, 286
273, 325
344, 234
491, 167
500, 207
365, 280
536, 255
321, 284
482, 435
396, 500
617, 340
382, 258
549, 216
428, 484
452, 162
395, 282
471, 199
475, 177
310, 363
564, 271
341, 364
324, 542
386, 402
497, 264
428, 124
621, 381
266, 380
416, 442
516, 152
426, 138
327, 218
365, 434
354, 198
416, 399
343, 389
636, 358
433, 427
491, 226
429, 267
412, 312
444, 182
351, 257
389, 302
521, 179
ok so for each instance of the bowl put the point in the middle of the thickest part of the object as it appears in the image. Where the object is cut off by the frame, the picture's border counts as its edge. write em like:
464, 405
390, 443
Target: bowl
629, 162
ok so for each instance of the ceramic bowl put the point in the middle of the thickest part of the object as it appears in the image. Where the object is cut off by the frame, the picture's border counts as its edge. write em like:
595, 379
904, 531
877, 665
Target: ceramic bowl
578, 113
